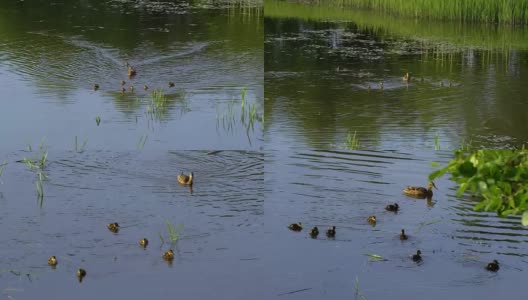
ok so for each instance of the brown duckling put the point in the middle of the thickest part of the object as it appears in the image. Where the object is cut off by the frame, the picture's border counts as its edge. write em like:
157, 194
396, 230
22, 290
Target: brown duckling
143, 242
403, 236
371, 220
114, 227
131, 88
314, 232
171, 84
131, 71
392, 207
185, 180
52, 261
417, 257
169, 255
295, 226
80, 274
145, 87
331, 232
407, 77
420, 192
381, 85
95, 87
493, 266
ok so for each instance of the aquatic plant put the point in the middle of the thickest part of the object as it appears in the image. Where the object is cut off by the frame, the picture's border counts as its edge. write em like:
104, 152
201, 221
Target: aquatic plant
83, 146
499, 176
142, 141
40, 189
352, 142
248, 114
97, 120
2, 167
358, 294
436, 142
174, 233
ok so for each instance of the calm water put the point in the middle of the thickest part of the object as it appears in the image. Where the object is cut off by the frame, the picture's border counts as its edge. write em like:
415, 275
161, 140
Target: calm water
53, 53
468, 85
222, 219
325, 188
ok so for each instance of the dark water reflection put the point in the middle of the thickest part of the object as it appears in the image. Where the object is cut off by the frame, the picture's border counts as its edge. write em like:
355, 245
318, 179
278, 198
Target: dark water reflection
318, 75
222, 219
324, 188
53, 53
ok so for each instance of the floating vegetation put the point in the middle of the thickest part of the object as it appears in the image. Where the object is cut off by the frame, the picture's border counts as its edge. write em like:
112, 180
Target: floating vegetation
248, 114
158, 104
352, 142
375, 257
142, 141
436, 142
423, 224
97, 120
83, 146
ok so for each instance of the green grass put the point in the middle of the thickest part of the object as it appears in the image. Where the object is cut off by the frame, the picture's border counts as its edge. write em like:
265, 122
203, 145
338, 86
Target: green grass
488, 11
158, 104
436, 142
483, 36
97, 120
174, 233
247, 116
83, 146
357, 293
142, 141
352, 142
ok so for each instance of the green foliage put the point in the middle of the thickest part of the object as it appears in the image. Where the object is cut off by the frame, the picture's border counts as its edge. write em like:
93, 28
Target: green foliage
500, 177
352, 142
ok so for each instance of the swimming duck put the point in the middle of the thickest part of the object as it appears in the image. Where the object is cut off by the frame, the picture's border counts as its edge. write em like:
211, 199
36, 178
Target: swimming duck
392, 207
131, 88
331, 232
381, 85
95, 87
169, 255
145, 87
114, 227
493, 266
372, 219
131, 71
295, 226
52, 261
403, 236
80, 274
143, 242
123, 82
185, 180
171, 84
417, 257
314, 232
420, 192
407, 77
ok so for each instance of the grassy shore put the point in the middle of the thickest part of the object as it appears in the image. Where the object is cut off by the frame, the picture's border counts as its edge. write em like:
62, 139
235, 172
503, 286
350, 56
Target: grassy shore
489, 11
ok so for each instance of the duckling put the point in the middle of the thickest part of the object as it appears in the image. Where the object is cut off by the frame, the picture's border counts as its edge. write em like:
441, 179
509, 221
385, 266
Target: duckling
331, 232
314, 232
169, 255
123, 90
493, 266
381, 85
80, 274
403, 236
95, 87
420, 192
114, 227
145, 87
372, 220
131, 71
295, 226
417, 257
143, 242
392, 207
171, 84
52, 261
407, 77
131, 88
123, 82
185, 180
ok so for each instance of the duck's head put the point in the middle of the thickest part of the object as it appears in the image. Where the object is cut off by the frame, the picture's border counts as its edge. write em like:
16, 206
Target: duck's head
418, 252
495, 262
431, 185
396, 205
403, 232
191, 175
333, 228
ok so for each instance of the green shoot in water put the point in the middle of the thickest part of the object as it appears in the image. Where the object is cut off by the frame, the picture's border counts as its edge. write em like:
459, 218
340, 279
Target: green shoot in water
352, 142
98, 120
436, 142
358, 294
83, 146
142, 141
174, 233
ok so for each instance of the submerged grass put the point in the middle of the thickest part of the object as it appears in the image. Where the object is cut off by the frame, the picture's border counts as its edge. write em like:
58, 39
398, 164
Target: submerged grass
358, 294
248, 114
489, 11
174, 233
98, 120
83, 146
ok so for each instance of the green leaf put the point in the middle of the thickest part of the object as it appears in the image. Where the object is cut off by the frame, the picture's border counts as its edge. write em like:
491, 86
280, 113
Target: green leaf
524, 219
467, 169
434, 164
